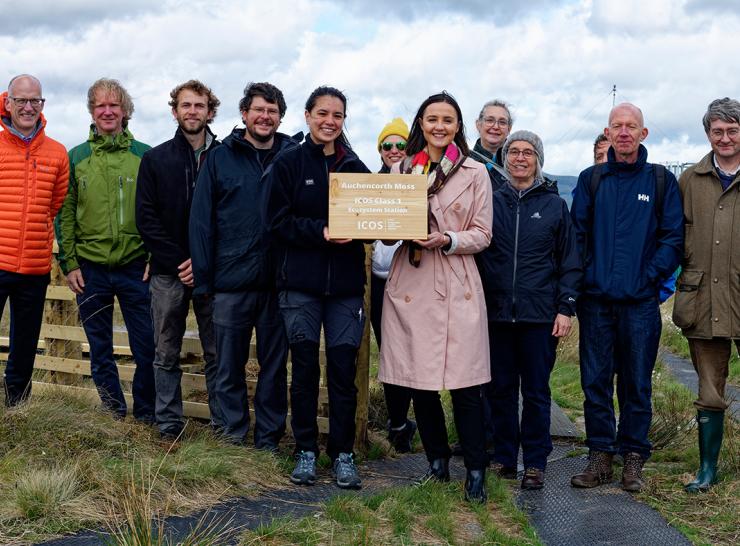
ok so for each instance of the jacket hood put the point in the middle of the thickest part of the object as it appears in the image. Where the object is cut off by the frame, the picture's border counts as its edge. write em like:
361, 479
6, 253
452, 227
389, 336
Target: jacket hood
541, 185
108, 143
236, 139
5, 115
614, 165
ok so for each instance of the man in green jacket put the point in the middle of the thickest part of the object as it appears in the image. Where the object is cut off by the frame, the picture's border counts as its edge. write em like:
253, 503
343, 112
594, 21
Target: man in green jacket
707, 306
100, 250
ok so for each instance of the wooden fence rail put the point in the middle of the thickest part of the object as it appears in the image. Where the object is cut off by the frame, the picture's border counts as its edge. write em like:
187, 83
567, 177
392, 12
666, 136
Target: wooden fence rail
64, 343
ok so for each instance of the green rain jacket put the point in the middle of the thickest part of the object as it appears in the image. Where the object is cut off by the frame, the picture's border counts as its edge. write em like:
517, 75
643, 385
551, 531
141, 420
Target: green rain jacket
97, 221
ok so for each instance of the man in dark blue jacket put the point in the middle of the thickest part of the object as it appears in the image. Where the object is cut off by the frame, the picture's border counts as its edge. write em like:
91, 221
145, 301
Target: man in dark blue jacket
629, 248
164, 194
231, 260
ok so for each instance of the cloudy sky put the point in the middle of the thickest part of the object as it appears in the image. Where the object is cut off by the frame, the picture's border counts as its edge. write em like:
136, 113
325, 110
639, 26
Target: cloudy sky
554, 61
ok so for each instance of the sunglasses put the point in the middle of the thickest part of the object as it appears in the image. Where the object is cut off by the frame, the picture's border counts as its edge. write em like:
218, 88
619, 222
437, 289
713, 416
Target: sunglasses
388, 146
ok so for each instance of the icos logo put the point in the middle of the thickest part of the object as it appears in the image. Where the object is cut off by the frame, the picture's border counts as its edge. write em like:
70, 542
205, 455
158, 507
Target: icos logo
371, 225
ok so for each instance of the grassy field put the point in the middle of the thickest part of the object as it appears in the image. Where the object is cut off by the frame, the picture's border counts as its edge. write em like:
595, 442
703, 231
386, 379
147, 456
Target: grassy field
65, 466
432, 513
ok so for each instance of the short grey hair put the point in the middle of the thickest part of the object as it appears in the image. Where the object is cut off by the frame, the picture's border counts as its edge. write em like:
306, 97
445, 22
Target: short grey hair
22, 76
500, 104
726, 109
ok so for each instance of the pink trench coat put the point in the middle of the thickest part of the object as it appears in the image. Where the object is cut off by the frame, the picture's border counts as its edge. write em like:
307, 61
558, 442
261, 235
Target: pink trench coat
435, 329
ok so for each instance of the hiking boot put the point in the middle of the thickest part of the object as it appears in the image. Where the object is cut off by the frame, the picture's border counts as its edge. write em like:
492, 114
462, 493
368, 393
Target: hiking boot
439, 470
533, 478
504, 472
475, 486
401, 439
346, 472
304, 472
632, 473
597, 472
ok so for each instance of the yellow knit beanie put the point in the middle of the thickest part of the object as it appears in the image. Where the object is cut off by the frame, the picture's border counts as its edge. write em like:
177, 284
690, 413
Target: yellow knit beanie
395, 127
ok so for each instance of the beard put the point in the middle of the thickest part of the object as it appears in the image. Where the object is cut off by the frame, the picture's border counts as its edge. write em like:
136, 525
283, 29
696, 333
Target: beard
260, 137
198, 128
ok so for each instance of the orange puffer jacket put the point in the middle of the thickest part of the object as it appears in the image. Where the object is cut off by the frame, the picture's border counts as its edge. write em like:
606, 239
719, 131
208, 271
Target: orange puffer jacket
33, 184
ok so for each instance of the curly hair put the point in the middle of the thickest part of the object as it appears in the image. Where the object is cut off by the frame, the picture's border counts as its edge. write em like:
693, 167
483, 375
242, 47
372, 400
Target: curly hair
199, 88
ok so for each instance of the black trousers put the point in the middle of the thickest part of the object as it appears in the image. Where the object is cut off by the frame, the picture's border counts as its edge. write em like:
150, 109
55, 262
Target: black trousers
27, 294
343, 321
467, 406
397, 398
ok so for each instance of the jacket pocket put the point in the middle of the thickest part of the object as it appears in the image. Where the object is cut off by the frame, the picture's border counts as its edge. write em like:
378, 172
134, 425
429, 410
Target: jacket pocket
687, 290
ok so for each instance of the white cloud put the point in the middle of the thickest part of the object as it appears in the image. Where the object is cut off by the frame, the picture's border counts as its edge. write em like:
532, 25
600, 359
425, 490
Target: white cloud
554, 61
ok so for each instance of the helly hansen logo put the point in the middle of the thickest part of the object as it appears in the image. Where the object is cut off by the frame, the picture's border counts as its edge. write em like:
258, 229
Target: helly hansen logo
309, 181
643, 197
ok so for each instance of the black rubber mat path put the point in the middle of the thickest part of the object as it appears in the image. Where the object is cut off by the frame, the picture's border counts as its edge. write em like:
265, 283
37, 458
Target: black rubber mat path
683, 370
560, 514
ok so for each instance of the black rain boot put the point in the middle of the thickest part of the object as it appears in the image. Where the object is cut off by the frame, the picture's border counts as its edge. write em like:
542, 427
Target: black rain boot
439, 470
475, 486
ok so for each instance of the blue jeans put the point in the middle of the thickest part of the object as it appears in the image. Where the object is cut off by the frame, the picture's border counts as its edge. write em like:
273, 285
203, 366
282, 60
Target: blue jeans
235, 314
96, 314
521, 355
618, 338
27, 294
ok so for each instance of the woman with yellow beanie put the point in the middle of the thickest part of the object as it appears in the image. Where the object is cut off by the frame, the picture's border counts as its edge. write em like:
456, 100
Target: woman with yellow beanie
392, 146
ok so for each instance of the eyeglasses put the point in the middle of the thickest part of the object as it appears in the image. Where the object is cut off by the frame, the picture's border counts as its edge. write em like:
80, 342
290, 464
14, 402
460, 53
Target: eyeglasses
388, 146
490, 122
514, 152
36, 104
272, 112
732, 133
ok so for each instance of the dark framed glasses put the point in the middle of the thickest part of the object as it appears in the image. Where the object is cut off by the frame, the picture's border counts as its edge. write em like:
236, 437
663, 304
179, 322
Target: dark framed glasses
388, 146
36, 104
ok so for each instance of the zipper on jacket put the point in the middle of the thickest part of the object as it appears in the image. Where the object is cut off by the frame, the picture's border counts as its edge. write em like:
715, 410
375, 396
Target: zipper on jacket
25, 206
187, 184
513, 277
328, 267
120, 201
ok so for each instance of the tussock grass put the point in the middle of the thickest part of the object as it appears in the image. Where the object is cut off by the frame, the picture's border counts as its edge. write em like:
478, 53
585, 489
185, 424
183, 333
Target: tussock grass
65, 466
431, 513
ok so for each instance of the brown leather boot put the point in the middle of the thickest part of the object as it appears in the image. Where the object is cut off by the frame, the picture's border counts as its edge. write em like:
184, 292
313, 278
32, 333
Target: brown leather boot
534, 478
632, 473
597, 472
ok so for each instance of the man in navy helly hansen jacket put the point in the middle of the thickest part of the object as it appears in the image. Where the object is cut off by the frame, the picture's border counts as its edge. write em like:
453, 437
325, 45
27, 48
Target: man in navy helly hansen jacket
629, 249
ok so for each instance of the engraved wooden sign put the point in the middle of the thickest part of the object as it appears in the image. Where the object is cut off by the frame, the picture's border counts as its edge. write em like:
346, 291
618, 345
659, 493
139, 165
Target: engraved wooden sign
377, 206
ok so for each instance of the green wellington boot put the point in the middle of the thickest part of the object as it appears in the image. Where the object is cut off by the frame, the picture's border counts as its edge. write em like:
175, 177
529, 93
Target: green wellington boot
711, 427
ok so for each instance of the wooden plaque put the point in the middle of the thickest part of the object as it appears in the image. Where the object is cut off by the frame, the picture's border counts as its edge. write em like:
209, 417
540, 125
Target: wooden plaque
377, 206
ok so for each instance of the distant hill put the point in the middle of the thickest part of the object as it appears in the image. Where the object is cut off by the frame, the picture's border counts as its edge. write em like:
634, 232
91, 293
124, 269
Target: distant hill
565, 185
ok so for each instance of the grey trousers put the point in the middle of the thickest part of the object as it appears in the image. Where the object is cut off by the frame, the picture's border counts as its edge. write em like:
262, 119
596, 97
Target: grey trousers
170, 306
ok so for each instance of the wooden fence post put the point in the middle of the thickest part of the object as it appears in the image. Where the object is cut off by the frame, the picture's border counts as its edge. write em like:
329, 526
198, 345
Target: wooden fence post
61, 312
362, 378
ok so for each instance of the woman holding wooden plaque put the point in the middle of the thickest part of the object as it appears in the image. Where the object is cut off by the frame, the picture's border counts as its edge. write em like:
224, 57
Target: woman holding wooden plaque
434, 315
321, 282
